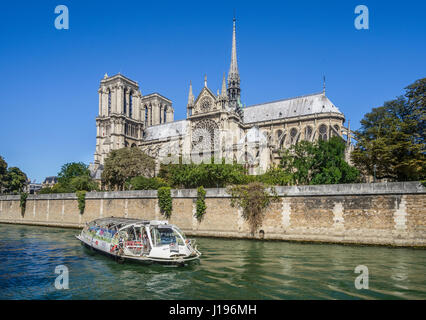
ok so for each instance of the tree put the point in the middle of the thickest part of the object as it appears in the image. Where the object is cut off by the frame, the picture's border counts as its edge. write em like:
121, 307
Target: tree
392, 137
3, 174
73, 177
298, 161
72, 170
329, 165
322, 162
82, 183
123, 164
16, 180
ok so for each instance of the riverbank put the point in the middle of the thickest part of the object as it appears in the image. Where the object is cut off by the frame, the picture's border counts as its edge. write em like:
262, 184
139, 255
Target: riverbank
390, 214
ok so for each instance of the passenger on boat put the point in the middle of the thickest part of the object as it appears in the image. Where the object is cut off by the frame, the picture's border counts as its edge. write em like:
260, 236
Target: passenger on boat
145, 241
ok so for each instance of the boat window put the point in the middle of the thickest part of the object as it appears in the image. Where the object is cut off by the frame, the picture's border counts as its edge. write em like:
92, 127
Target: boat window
166, 236
179, 232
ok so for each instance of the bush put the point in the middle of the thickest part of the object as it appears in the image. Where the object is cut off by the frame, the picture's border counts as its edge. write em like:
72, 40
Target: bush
165, 201
208, 175
201, 203
45, 190
143, 183
275, 177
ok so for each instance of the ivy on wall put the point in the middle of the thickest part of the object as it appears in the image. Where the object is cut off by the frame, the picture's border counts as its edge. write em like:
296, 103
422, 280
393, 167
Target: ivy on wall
23, 202
165, 201
201, 203
253, 199
81, 198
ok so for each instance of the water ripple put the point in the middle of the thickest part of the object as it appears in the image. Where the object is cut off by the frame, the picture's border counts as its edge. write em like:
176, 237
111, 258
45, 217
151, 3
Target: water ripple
229, 269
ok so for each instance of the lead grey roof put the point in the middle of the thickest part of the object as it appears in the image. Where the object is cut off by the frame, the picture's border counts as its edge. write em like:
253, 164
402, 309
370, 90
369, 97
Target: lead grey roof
287, 108
166, 130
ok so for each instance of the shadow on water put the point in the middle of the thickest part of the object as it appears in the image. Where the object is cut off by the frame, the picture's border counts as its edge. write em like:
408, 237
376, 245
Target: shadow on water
228, 269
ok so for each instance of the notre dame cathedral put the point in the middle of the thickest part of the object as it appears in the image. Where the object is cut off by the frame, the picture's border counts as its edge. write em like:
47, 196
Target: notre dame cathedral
216, 125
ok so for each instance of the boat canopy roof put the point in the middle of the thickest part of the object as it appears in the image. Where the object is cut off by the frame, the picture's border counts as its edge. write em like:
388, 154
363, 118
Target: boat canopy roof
112, 222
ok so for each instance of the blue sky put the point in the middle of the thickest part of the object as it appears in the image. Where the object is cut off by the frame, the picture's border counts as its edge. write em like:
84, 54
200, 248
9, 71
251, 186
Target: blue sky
49, 77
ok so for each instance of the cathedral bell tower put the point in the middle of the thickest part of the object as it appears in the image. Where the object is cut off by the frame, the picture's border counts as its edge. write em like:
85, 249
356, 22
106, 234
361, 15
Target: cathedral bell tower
234, 91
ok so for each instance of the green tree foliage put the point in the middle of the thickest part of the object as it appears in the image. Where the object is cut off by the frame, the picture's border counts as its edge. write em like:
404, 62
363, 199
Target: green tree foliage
299, 160
165, 201
16, 180
322, 162
274, 177
82, 183
12, 180
123, 164
330, 166
72, 170
143, 183
3, 174
72, 177
392, 137
208, 175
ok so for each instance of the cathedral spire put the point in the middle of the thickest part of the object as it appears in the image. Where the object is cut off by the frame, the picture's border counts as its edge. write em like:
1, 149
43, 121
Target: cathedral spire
233, 69
234, 91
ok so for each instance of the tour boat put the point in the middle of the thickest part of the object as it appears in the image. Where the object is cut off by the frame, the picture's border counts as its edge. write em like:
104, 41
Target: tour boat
139, 240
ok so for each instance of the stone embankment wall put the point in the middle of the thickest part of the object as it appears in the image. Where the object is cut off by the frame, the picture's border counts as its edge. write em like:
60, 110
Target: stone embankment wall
382, 213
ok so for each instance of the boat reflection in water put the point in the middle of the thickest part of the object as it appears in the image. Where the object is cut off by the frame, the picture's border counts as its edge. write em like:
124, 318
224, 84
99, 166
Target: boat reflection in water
139, 240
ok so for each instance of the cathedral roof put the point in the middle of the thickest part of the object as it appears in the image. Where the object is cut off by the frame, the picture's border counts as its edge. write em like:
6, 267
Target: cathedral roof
288, 108
166, 130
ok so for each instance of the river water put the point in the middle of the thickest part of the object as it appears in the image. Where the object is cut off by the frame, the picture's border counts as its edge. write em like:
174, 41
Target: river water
229, 269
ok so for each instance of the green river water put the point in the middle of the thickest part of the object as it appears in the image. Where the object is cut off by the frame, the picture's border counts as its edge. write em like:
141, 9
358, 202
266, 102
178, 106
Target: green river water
228, 269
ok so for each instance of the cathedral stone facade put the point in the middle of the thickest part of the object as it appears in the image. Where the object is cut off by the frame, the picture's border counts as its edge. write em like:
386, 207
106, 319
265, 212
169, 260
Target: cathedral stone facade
216, 125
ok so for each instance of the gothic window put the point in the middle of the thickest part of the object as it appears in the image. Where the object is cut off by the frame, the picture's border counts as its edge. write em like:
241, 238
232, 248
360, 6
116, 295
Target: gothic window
159, 110
308, 133
165, 114
205, 104
205, 135
279, 137
124, 103
130, 104
109, 102
323, 132
146, 115
293, 136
